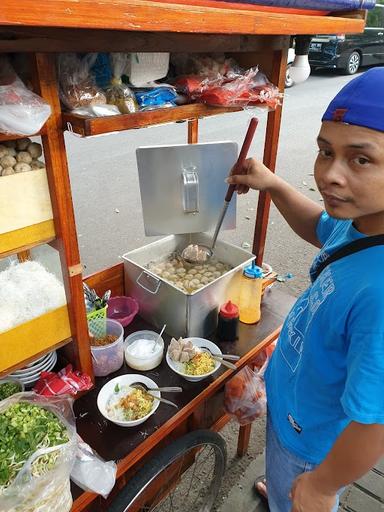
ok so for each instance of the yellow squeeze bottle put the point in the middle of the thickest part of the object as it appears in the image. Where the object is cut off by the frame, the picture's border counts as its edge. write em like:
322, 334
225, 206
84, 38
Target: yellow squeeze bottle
250, 294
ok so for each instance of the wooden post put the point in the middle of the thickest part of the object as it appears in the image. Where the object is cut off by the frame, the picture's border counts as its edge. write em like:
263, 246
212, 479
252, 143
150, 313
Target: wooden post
63, 214
270, 154
193, 131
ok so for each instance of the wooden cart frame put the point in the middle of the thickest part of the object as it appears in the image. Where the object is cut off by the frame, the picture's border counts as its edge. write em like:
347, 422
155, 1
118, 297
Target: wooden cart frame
42, 28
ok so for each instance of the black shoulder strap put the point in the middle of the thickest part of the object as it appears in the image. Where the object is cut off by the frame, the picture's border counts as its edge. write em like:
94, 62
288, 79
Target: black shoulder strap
346, 250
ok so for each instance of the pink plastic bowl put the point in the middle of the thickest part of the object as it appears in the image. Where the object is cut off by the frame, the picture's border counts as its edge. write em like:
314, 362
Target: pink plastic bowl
122, 309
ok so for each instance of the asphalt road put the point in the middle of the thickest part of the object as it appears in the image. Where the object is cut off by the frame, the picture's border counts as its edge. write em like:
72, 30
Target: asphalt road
106, 191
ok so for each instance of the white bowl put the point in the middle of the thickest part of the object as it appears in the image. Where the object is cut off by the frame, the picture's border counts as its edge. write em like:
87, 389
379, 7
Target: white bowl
125, 380
29, 380
46, 365
198, 342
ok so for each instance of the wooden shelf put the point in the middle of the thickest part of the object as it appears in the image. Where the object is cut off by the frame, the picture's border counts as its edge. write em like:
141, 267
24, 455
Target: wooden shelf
31, 339
26, 238
4, 136
87, 126
149, 16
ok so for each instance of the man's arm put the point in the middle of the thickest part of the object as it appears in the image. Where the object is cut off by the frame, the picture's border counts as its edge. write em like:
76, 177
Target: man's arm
301, 213
358, 448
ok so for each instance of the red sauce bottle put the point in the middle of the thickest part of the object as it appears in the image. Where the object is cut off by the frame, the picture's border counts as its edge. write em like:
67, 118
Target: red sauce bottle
228, 322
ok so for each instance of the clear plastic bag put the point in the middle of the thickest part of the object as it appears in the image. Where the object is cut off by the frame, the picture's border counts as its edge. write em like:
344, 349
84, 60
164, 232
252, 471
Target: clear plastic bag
22, 112
42, 483
247, 89
245, 398
118, 93
91, 472
77, 85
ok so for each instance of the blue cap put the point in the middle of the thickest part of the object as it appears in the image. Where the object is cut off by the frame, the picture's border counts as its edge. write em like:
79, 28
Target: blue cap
360, 102
253, 272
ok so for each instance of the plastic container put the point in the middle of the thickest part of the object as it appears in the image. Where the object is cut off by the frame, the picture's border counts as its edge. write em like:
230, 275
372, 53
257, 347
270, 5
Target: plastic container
107, 359
138, 350
97, 324
122, 309
228, 322
251, 285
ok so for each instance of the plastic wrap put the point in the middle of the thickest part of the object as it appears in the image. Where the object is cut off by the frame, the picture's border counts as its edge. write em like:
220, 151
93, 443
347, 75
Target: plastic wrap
66, 382
118, 93
34, 490
92, 473
322, 5
22, 112
245, 398
77, 85
158, 97
237, 88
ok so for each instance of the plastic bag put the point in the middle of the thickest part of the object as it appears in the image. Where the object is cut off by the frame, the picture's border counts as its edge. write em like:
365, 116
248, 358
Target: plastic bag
145, 68
22, 112
42, 484
120, 94
158, 97
91, 472
248, 89
66, 382
77, 85
245, 398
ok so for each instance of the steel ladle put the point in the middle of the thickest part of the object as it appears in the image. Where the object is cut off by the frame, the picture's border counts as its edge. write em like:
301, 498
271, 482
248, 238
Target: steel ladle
198, 253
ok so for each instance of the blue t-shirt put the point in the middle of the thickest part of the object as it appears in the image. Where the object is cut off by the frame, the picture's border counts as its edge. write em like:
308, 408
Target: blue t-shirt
328, 367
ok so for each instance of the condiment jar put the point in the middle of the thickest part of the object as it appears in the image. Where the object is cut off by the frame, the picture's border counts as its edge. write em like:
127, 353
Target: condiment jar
250, 295
228, 322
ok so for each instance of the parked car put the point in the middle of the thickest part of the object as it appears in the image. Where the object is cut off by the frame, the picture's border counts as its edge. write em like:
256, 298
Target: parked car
350, 51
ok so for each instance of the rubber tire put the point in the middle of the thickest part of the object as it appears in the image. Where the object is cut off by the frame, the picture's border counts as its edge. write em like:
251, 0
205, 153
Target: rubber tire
167, 456
288, 80
347, 70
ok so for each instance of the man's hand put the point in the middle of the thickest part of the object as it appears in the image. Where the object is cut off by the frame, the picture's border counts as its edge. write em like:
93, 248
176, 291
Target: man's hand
306, 495
252, 174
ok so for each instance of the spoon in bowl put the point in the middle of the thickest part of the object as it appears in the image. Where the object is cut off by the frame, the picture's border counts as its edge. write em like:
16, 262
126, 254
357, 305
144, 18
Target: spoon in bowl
142, 387
219, 358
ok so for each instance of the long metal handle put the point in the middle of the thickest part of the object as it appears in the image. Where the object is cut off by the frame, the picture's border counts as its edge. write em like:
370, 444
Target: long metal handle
240, 161
226, 363
243, 154
228, 357
169, 389
165, 401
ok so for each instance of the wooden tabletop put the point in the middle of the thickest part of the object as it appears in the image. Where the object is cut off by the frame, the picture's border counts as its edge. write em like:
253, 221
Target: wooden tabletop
151, 16
129, 445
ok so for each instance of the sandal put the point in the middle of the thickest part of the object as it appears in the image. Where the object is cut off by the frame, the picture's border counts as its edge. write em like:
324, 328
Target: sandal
261, 495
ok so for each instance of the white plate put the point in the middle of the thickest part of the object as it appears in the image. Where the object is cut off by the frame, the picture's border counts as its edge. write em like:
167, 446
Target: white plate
198, 342
30, 379
32, 369
107, 390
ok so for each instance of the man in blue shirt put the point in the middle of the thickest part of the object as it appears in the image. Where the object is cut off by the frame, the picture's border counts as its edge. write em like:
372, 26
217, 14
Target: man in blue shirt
325, 381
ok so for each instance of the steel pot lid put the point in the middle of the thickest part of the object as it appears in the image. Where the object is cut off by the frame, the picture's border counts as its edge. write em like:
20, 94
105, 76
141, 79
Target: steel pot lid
182, 186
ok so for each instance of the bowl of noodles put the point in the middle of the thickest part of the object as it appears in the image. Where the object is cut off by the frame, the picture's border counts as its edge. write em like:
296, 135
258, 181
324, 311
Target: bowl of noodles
127, 406
198, 364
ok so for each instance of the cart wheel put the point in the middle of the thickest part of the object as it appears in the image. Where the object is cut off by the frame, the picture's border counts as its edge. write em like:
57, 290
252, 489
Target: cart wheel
185, 475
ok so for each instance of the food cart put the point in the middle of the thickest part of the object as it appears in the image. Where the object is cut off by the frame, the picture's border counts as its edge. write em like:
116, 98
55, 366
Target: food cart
42, 29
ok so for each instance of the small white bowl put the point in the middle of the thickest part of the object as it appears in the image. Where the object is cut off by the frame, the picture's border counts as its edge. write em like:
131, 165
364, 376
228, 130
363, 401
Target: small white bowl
198, 342
125, 380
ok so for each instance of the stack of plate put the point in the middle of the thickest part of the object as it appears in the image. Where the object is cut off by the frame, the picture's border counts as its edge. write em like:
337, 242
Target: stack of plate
31, 373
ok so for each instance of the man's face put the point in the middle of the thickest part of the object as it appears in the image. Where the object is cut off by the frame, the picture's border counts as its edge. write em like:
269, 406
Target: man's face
349, 173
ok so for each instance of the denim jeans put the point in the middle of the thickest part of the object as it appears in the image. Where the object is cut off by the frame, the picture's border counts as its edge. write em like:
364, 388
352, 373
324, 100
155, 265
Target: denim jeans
282, 468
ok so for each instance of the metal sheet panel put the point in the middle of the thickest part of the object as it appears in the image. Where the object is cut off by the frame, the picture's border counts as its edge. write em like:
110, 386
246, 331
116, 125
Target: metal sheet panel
182, 187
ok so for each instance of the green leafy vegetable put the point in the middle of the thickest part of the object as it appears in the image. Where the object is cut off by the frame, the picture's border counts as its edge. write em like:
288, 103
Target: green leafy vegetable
24, 428
8, 389
117, 388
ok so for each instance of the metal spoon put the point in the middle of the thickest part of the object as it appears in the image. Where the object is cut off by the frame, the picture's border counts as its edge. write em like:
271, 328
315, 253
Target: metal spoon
164, 400
166, 389
220, 359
